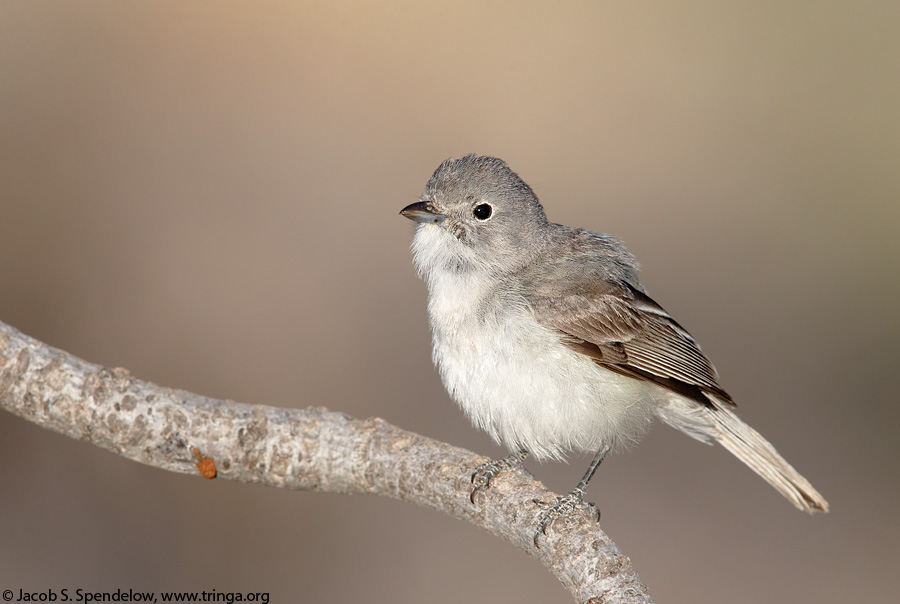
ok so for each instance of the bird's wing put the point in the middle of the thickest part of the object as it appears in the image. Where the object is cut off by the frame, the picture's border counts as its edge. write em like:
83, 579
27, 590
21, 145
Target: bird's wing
624, 330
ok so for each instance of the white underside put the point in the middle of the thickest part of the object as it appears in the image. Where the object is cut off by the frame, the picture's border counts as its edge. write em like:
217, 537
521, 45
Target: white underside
516, 380
547, 401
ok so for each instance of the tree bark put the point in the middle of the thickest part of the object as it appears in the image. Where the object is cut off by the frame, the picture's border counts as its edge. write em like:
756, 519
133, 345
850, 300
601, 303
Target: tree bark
309, 449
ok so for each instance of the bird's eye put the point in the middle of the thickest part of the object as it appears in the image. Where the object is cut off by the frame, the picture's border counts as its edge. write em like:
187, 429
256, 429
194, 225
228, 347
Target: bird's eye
482, 211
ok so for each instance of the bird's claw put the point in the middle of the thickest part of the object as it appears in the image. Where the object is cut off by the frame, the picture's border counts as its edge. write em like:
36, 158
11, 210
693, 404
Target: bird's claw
484, 473
563, 506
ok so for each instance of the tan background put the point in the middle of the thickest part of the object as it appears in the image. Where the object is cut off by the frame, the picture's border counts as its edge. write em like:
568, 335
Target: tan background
207, 192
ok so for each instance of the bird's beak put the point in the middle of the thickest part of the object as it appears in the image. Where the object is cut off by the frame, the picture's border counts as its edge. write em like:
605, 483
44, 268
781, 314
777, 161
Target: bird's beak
422, 212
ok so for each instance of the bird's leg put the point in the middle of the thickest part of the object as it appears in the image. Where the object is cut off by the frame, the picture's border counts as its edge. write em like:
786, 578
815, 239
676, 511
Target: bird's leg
565, 504
481, 478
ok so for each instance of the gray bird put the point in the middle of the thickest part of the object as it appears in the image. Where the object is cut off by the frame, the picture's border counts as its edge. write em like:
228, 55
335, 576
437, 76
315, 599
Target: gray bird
544, 336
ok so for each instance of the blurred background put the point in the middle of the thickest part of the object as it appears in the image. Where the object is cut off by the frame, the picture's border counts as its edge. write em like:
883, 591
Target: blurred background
206, 193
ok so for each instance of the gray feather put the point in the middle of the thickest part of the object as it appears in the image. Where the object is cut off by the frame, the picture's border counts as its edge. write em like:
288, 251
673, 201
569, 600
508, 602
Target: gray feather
603, 313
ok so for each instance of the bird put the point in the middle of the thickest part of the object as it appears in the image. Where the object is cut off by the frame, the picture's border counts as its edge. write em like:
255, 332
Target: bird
545, 337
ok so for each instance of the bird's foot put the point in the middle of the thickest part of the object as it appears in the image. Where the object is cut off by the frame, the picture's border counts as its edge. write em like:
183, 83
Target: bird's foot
563, 506
481, 478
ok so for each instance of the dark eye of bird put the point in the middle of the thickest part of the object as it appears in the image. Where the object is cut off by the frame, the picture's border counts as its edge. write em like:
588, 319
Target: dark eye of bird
482, 211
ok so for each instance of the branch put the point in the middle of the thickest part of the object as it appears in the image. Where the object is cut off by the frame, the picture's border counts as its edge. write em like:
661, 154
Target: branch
309, 449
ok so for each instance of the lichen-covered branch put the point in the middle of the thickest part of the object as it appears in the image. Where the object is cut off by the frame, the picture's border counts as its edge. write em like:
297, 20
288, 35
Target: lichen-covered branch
312, 449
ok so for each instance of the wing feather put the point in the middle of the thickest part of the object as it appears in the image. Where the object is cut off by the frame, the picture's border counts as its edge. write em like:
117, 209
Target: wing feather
624, 330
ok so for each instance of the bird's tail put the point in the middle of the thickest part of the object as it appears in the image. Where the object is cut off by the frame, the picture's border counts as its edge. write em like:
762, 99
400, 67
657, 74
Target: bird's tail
755, 451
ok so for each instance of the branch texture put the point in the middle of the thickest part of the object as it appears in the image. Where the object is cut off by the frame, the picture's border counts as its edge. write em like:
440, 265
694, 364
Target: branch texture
309, 449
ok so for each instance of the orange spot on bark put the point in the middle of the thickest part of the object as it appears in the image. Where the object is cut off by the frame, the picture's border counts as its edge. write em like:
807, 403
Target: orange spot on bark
205, 465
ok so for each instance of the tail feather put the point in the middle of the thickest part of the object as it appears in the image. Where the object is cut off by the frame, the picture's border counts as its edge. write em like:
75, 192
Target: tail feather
755, 451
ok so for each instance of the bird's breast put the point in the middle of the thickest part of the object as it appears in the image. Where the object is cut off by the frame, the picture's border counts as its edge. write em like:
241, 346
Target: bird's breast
516, 380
